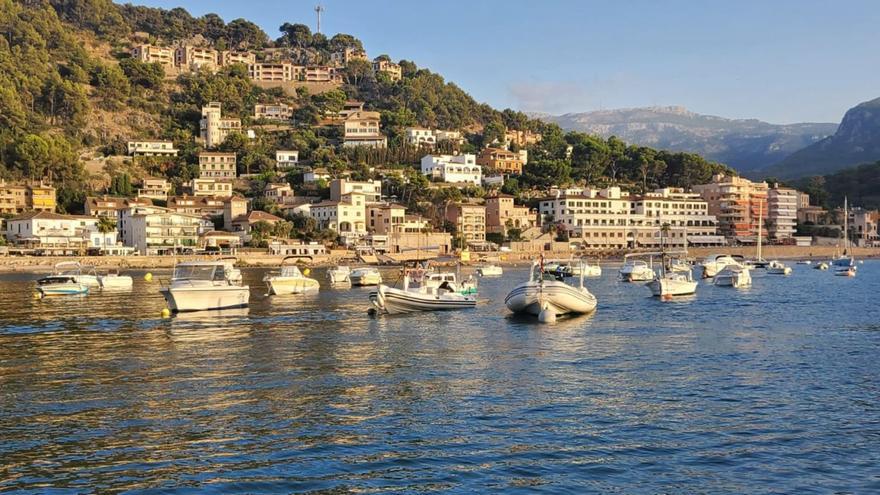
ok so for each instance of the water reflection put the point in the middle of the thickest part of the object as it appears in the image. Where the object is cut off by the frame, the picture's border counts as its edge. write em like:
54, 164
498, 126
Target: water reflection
309, 393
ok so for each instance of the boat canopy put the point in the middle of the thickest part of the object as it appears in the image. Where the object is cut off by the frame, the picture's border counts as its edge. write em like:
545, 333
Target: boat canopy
199, 271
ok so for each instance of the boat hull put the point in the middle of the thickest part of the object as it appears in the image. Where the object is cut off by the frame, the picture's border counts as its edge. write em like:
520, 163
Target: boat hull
117, 282
668, 287
338, 276
369, 279
396, 301
638, 275
63, 289
495, 271
558, 296
291, 285
737, 280
202, 299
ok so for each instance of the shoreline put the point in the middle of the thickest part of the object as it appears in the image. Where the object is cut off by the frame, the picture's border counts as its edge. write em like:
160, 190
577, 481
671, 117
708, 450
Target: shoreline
13, 264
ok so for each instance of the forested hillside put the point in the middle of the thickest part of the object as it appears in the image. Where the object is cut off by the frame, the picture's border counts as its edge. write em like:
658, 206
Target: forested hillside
68, 86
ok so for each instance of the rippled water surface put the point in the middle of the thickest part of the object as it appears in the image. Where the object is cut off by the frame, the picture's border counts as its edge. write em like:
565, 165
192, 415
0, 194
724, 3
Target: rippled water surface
773, 389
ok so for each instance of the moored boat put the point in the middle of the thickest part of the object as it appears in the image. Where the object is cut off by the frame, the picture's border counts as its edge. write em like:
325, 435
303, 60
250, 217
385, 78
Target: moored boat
717, 262
821, 266
290, 280
778, 268
60, 285
736, 276
547, 297
420, 293
365, 276
490, 270
82, 274
203, 285
636, 270
339, 274
115, 280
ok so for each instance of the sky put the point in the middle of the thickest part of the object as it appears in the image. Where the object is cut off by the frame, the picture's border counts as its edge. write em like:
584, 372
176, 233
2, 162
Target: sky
781, 61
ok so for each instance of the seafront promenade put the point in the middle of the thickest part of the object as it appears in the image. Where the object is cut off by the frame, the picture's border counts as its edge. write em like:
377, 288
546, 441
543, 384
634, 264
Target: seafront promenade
248, 259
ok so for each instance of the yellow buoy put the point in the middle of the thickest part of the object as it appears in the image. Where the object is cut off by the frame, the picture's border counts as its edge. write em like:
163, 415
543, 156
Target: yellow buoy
37, 295
148, 277
166, 312
306, 272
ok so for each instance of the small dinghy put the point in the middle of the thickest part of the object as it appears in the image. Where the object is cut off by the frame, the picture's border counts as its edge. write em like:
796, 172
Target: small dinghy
421, 293
547, 296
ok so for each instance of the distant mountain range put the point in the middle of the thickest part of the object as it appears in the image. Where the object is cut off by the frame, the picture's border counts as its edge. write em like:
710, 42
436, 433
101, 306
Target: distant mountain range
857, 141
746, 145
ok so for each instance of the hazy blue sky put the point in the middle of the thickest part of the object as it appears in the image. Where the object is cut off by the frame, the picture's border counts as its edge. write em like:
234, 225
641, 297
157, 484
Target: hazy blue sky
779, 61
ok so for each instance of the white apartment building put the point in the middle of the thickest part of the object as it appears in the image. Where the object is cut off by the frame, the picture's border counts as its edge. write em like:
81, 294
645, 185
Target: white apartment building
458, 169
611, 219
210, 187
371, 189
213, 127
286, 158
148, 147
217, 165
273, 111
154, 230
782, 203
418, 136
55, 233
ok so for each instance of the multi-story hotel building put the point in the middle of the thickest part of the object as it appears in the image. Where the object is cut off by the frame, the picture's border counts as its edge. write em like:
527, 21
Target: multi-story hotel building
469, 221
343, 57
736, 202
154, 188
782, 217
612, 219
214, 128
211, 187
394, 72
195, 58
217, 165
371, 189
271, 71
232, 57
502, 214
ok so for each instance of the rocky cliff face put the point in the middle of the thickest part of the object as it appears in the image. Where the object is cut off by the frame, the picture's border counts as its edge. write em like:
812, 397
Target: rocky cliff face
856, 141
747, 145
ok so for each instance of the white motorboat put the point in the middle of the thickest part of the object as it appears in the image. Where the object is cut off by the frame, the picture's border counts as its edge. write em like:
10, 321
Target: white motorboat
60, 285
778, 268
845, 272
804, 262
436, 280
339, 274
590, 270
203, 285
114, 280
715, 263
546, 297
636, 270
821, 266
736, 276
673, 284
421, 293
490, 270
290, 280
82, 274
365, 276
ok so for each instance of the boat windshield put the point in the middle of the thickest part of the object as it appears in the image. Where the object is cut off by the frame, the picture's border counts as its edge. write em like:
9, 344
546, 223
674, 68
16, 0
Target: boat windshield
290, 271
198, 272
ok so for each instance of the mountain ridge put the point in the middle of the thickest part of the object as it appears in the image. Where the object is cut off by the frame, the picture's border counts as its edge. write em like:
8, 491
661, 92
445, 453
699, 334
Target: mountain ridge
749, 145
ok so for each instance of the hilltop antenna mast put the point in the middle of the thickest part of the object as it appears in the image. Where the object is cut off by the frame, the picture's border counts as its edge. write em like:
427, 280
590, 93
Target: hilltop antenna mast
318, 10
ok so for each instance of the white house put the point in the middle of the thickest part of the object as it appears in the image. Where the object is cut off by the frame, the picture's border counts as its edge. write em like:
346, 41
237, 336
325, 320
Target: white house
286, 158
455, 169
58, 234
315, 175
149, 147
154, 230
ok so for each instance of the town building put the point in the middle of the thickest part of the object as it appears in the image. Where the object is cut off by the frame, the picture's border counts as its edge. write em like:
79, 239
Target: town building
210, 187
782, 203
419, 136
154, 230
209, 207
195, 58
40, 196
736, 202
233, 208
458, 169
273, 111
521, 138
500, 160
342, 57
363, 129
469, 221
346, 216
271, 71
613, 219
13, 198
279, 194
318, 74
371, 189
314, 175
154, 188
383, 66
110, 206
385, 218
348, 108
151, 54
213, 127
243, 224
217, 165
863, 225
297, 248
503, 214
148, 147
286, 158
228, 57
54, 234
